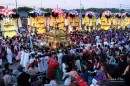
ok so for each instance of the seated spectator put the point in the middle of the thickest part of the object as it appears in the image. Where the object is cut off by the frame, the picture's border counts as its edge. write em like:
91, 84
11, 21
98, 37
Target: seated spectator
35, 81
100, 77
45, 81
6, 68
7, 78
22, 78
33, 70
113, 77
80, 81
126, 74
53, 81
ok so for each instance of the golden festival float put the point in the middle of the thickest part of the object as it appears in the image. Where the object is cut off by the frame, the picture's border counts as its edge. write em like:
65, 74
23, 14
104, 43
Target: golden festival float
37, 21
125, 19
56, 36
106, 20
10, 22
116, 20
73, 19
90, 20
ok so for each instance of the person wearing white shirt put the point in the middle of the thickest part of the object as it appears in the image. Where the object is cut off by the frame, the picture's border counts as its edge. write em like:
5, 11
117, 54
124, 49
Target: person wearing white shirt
26, 60
9, 55
97, 38
45, 64
64, 70
22, 57
60, 55
40, 65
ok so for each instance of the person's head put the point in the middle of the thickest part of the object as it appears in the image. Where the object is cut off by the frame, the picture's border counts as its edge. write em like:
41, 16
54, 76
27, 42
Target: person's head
74, 84
88, 66
128, 58
122, 59
33, 65
20, 68
7, 72
16, 73
103, 67
112, 71
6, 66
53, 77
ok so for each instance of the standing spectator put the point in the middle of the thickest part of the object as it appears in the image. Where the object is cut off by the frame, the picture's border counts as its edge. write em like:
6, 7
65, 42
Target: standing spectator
60, 55
52, 66
0, 60
26, 60
9, 55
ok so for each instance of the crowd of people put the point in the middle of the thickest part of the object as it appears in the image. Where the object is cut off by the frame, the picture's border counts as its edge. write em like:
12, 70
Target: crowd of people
92, 58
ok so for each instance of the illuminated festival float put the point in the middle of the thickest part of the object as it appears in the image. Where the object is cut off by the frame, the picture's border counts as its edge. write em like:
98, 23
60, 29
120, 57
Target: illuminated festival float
10, 22
121, 20
127, 18
117, 20
90, 19
37, 21
106, 20
56, 36
73, 19
57, 18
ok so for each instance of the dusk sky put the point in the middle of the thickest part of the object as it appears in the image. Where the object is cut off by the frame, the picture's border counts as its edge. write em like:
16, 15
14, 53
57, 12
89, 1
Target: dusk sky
68, 4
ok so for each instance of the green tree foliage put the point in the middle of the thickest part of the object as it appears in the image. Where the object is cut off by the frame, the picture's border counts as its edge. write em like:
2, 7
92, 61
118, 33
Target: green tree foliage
98, 10
46, 9
26, 9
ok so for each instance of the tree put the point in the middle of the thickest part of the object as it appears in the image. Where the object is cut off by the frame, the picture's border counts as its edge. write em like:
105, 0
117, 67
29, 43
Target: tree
97, 10
26, 9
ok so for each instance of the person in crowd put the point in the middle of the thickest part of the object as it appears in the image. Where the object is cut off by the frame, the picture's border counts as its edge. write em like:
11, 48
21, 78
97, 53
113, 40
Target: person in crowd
60, 55
80, 81
0, 60
7, 78
85, 56
126, 74
53, 81
33, 70
22, 78
9, 55
100, 77
22, 56
6, 68
53, 65
26, 59
64, 69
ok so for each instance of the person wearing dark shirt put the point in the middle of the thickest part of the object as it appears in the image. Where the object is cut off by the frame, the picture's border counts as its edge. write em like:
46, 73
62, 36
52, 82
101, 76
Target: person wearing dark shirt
126, 74
6, 68
22, 78
122, 65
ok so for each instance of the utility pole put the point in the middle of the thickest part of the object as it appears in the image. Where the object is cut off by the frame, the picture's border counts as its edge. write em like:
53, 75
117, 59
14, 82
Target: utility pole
80, 16
120, 8
7, 6
16, 6
57, 6
41, 3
